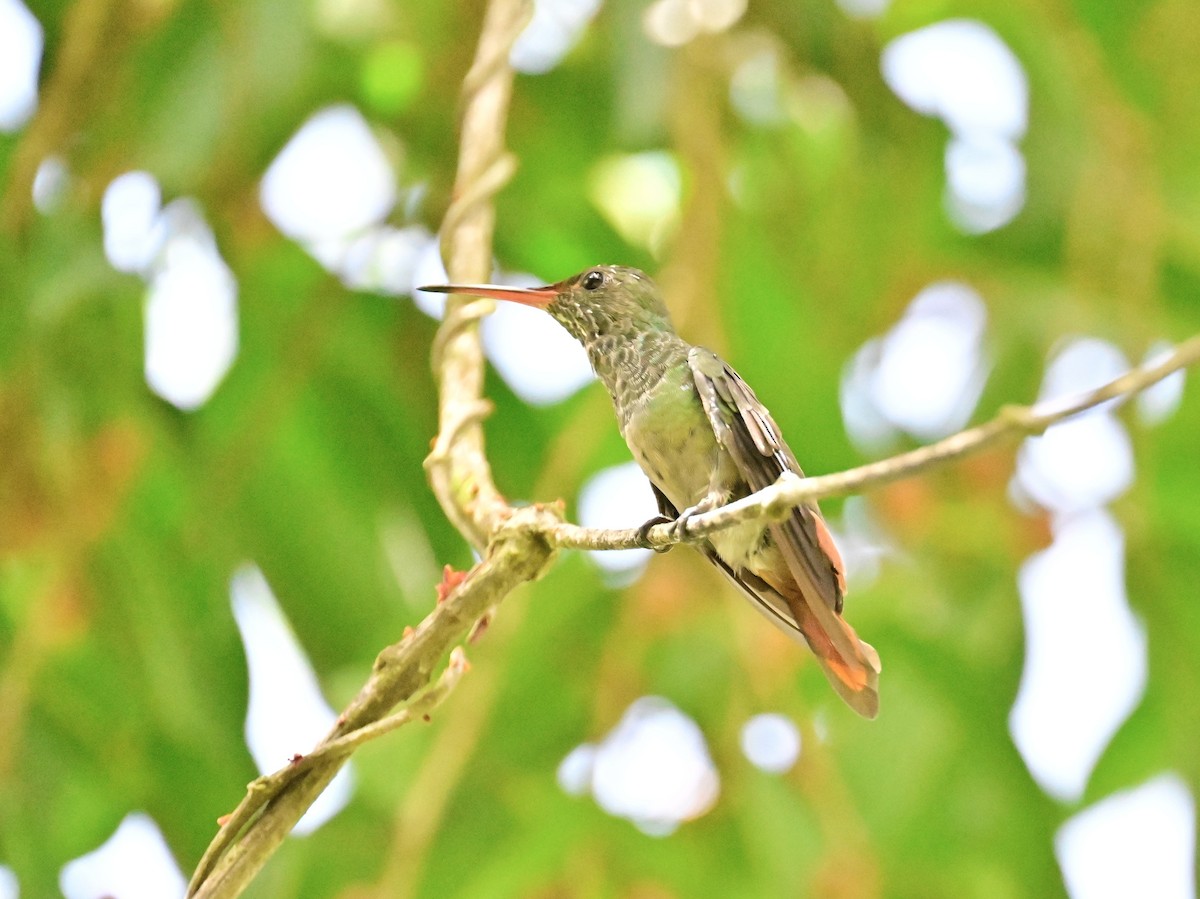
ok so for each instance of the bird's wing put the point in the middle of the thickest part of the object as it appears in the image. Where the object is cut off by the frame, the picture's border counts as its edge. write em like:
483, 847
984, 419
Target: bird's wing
745, 428
808, 597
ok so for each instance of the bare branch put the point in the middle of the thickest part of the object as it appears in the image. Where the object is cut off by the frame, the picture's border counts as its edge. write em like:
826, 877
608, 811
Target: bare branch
458, 468
514, 542
419, 707
273, 804
776, 501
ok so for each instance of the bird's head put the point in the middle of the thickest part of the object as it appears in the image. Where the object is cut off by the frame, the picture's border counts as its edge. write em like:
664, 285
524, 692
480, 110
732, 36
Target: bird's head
600, 301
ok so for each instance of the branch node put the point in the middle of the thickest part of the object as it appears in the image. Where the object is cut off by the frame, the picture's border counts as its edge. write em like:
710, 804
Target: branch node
530, 531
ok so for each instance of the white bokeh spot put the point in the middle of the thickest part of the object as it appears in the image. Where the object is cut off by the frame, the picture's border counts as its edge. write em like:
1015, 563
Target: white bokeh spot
191, 313
191, 316
134, 863
287, 714
985, 180
9, 886
1158, 402
618, 497
771, 742
1085, 461
331, 189
866, 425
430, 270
20, 58
1139, 842
653, 768
383, 259
129, 214
930, 371
1081, 463
925, 376
963, 73
556, 27
331, 179
575, 770
1085, 653
1079, 365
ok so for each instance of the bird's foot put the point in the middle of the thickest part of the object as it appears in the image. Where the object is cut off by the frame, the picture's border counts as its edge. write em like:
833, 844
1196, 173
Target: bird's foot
679, 525
643, 534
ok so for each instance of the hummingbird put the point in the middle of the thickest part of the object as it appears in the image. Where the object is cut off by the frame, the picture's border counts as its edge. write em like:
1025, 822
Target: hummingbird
703, 439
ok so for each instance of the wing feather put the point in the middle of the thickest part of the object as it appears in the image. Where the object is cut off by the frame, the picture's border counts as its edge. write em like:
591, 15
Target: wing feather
809, 602
746, 429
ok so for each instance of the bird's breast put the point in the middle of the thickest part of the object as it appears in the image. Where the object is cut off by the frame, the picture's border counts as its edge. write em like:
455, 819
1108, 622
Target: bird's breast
672, 440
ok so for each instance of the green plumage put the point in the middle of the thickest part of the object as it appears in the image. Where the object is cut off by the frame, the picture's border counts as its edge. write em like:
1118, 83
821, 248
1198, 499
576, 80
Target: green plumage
702, 437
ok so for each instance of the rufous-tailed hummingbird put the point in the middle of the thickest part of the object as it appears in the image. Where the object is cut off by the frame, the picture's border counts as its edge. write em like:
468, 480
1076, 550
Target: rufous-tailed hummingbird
703, 439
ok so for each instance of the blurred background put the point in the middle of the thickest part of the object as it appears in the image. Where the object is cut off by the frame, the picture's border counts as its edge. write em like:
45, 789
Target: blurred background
892, 217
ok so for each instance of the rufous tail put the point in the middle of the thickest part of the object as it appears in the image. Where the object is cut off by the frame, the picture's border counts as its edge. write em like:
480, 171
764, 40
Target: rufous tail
851, 664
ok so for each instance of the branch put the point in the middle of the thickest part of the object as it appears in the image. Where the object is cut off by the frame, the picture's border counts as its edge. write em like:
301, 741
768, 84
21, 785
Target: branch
402, 672
791, 490
513, 542
458, 468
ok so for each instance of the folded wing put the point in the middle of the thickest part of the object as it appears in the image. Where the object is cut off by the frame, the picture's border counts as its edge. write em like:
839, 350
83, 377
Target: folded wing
806, 596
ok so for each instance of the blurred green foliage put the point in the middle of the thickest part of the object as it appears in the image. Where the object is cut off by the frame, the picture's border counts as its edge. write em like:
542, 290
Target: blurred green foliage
122, 678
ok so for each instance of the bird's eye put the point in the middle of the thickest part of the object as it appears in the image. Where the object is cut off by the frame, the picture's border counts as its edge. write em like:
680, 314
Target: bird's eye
592, 280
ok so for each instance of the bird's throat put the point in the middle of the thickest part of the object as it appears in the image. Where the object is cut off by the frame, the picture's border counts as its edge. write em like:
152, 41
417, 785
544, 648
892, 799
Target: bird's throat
631, 366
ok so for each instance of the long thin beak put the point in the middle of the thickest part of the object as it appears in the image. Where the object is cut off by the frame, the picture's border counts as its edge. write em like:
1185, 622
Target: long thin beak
541, 297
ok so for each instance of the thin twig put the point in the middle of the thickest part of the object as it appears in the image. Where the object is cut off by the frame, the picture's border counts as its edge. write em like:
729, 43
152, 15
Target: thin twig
420, 707
774, 502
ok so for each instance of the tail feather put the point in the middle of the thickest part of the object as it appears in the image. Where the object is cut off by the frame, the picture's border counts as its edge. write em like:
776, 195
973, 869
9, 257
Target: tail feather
855, 677
851, 665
